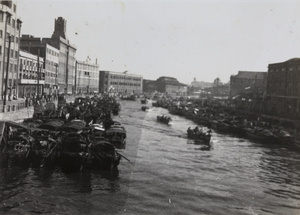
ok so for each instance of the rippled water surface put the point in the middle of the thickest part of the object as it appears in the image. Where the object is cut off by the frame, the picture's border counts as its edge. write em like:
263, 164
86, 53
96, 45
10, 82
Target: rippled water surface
167, 174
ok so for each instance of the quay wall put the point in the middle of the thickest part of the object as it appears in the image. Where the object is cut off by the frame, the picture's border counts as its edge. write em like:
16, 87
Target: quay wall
18, 114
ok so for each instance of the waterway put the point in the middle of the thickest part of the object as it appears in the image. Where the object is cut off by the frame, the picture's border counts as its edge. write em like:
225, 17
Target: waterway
167, 174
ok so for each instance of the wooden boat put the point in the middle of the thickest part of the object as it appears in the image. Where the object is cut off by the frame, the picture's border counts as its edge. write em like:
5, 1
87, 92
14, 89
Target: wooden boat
144, 108
164, 119
144, 101
282, 136
116, 135
199, 135
104, 155
261, 135
128, 97
74, 152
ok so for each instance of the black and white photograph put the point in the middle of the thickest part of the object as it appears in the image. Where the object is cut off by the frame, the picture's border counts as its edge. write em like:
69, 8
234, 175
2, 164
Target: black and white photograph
150, 107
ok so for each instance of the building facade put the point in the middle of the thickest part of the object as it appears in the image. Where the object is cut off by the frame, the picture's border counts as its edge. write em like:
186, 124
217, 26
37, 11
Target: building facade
38, 47
120, 82
283, 88
248, 82
67, 51
86, 77
10, 31
31, 74
170, 86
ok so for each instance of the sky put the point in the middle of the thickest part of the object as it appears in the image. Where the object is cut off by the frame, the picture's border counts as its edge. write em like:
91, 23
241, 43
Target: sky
184, 39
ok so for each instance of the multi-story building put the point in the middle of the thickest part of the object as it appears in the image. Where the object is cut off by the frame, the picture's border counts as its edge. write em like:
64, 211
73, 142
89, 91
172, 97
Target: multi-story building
170, 86
246, 81
31, 74
67, 51
149, 86
38, 47
120, 82
283, 88
10, 30
86, 77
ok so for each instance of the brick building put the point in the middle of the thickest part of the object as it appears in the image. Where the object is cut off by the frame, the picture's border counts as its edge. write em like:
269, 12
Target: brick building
170, 86
248, 82
283, 88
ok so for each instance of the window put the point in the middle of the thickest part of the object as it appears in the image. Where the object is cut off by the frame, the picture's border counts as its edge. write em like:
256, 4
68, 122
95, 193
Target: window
15, 8
1, 16
1, 33
8, 20
13, 23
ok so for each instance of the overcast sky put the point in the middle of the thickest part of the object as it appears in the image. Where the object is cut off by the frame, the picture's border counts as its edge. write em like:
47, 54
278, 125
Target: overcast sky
184, 39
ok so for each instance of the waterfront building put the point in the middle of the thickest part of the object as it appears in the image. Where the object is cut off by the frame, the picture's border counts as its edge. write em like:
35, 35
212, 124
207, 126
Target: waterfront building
67, 51
86, 77
149, 86
10, 30
248, 82
38, 47
283, 88
65, 68
171, 86
120, 82
31, 74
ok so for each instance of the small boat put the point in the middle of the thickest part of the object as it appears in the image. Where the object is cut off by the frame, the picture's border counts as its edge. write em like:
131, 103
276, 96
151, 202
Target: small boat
144, 108
74, 152
144, 101
164, 119
116, 135
104, 155
199, 135
128, 97
260, 135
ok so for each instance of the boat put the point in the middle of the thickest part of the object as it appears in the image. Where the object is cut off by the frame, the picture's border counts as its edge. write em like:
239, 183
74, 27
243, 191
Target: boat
144, 101
144, 108
74, 152
128, 97
199, 135
164, 119
116, 135
104, 155
260, 135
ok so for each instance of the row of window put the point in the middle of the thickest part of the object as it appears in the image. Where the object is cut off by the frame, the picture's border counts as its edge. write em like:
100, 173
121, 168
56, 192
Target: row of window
24, 62
51, 52
10, 21
31, 76
125, 84
124, 77
283, 69
13, 39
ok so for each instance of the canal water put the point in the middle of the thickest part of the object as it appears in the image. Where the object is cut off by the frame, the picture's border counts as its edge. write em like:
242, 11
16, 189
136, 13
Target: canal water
166, 174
